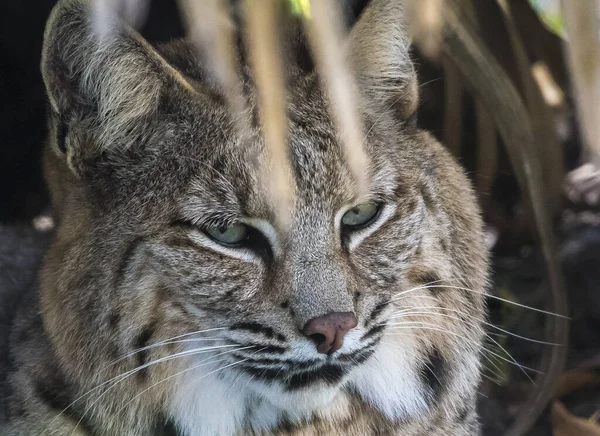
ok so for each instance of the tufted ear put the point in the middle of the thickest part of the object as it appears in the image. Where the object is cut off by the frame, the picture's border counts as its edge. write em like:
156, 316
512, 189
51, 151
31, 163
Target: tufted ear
379, 47
102, 88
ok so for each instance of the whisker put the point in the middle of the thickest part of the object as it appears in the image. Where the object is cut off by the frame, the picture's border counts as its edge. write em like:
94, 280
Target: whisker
488, 337
498, 374
239, 377
250, 378
158, 344
399, 314
119, 378
184, 371
485, 295
432, 327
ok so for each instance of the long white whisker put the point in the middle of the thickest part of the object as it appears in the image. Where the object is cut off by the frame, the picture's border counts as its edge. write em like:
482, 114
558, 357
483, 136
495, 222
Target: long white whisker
161, 344
487, 336
498, 374
118, 379
400, 314
184, 371
433, 327
481, 293
165, 342
249, 378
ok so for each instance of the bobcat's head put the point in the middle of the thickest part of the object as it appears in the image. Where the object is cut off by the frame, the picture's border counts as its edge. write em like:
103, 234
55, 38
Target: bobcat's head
169, 270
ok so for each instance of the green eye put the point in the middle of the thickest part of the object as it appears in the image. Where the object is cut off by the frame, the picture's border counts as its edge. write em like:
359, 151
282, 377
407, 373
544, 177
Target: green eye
229, 235
360, 215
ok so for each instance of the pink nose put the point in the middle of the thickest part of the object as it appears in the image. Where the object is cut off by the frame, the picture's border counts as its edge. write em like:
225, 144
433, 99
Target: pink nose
328, 331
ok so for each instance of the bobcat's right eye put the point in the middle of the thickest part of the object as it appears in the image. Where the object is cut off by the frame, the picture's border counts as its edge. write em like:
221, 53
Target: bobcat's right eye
361, 216
231, 235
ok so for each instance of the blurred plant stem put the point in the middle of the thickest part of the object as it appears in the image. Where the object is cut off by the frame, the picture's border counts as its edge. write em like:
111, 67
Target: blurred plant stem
582, 18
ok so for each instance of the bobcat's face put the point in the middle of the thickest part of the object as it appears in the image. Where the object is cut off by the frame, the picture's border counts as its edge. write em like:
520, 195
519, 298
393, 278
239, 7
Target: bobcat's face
223, 262
169, 261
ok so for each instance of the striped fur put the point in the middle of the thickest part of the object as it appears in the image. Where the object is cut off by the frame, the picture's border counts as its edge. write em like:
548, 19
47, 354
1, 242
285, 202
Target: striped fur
144, 155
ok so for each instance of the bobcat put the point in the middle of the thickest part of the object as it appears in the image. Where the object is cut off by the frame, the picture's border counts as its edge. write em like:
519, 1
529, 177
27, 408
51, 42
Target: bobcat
171, 302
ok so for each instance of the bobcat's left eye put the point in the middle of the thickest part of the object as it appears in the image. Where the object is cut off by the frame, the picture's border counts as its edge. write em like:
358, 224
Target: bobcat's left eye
361, 215
233, 234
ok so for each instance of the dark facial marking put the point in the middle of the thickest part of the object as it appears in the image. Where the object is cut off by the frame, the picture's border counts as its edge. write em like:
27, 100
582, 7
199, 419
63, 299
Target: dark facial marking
377, 311
55, 393
359, 357
433, 373
126, 259
444, 245
463, 414
330, 374
376, 329
258, 329
142, 341
428, 278
165, 427
113, 320
266, 361
274, 349
285, 424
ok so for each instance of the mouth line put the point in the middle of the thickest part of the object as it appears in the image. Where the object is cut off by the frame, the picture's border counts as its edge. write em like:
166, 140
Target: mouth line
295, 375
329, 374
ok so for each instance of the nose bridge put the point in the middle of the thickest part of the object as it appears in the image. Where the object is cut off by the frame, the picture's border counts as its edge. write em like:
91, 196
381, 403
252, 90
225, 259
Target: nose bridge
318, 281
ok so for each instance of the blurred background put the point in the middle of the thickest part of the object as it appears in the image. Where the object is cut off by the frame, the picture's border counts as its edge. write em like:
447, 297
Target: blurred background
511, 88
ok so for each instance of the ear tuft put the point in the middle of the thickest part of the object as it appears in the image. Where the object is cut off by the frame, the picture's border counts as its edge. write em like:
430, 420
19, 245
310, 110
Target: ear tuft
107, 83
379, 48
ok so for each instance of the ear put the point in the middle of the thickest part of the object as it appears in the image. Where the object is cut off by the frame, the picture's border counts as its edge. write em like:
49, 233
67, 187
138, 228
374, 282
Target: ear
379, 47
102, 88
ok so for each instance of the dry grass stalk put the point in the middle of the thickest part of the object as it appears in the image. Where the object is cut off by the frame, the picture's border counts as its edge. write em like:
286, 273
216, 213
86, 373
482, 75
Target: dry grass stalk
325, 34
453, 108
134, 12
266, 60
582, 19
487, 153
426, 23
551, 91
543, 122
210, 27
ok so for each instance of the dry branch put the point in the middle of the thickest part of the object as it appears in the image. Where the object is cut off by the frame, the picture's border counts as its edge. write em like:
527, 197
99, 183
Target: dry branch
491, 83
582, 19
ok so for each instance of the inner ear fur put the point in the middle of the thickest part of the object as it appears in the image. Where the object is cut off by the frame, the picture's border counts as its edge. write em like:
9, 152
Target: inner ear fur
103, 85
379, 50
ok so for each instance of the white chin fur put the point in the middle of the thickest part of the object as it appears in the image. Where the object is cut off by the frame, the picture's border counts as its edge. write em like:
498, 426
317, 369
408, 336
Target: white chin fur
207, 401
211, 402
389, 381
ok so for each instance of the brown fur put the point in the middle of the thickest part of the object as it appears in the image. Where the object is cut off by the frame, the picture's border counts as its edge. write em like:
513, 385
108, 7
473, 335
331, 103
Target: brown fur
144, 156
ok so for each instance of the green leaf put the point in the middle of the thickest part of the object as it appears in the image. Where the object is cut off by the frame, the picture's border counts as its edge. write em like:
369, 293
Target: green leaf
550, 13
300, 7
